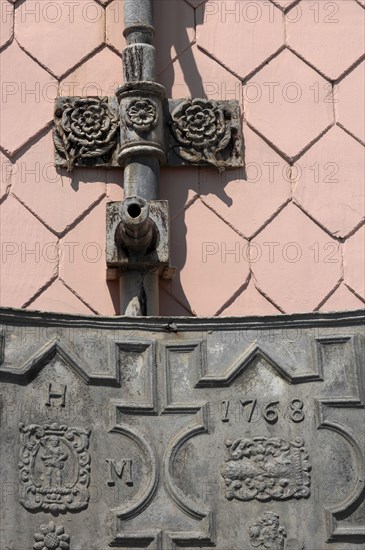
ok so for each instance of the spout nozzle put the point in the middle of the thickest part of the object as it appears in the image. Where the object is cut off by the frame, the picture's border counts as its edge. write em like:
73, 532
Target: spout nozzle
134, 210
136, 231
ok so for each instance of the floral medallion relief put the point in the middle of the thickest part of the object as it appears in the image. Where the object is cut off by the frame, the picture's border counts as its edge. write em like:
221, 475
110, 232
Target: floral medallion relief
51, 537
85, 131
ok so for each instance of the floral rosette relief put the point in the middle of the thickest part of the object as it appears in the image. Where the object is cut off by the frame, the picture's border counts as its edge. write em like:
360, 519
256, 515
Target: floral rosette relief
141, 115
85, 131
51, 537
203, 131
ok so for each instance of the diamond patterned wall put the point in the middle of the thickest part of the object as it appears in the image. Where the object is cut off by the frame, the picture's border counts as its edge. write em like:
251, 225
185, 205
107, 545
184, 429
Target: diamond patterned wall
284, 234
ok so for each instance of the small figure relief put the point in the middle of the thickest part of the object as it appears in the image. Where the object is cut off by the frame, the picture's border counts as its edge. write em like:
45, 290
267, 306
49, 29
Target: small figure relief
51, 537
54, 457
54, 467
266, 533
266, 469
141, 115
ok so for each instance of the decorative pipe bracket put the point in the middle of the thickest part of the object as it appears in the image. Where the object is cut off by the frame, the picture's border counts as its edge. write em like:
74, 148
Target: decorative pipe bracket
140, 130
137, 235
108, 131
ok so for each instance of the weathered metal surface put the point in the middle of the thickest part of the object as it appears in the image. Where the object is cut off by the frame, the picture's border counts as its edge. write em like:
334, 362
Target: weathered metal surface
140, 152
175, 433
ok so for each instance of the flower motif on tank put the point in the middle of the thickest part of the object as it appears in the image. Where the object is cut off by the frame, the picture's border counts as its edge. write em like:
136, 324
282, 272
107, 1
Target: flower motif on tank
51, 537
85, 131
141, 115
203, 130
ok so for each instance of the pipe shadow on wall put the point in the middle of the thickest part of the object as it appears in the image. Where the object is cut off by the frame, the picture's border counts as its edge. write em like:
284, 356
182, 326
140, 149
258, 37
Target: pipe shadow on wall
178, 39
202, 180
173, 48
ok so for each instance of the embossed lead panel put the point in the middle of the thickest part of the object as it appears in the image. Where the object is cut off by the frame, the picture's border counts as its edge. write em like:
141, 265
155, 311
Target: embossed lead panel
166, 434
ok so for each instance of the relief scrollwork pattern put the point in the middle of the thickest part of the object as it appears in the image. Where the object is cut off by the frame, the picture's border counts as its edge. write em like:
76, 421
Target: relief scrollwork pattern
203, 130
54, 467
51, 537
141, 115
266, 469
266, 533
85, 131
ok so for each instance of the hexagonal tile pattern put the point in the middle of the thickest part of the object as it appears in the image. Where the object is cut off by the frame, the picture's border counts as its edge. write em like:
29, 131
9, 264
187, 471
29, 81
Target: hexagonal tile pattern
284, 4
354, 262
332, 190
351, 102
250, 302
6, 173
220, 22
100, 75
267, 55
169, 306
114, 184
29, 255
52, 194
248, 198
329, 35
28, 94
289, 103
83, 263
195, 3
342, 300
179, 187
195, 74
176, 36
69, 31
171, 39
60, 299
6, 22
114, 25
296, 263
210, 258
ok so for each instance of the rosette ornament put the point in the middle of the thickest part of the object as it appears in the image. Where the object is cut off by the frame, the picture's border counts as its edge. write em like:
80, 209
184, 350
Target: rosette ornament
202, 130
51, 537
85, 129
141, 115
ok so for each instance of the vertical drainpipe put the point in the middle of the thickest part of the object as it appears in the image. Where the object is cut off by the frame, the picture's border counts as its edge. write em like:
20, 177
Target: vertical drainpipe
141, 157
151, 128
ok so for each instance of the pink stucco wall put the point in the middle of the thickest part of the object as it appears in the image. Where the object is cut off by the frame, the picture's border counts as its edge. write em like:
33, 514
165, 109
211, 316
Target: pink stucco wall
286, 234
